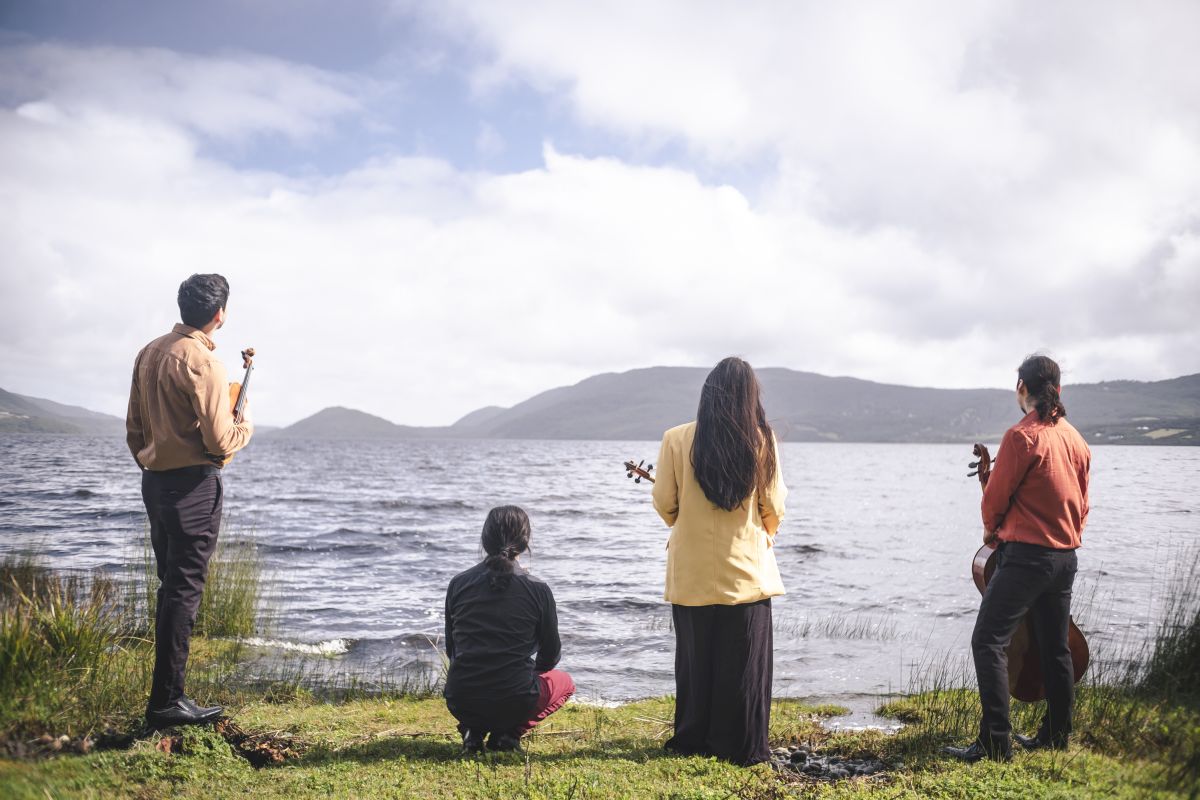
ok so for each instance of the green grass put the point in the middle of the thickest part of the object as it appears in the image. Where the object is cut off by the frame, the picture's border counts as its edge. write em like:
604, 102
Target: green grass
74, 657
76, 649
408, 748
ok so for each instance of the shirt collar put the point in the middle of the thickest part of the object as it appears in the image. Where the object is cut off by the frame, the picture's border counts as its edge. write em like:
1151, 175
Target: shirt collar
194, 333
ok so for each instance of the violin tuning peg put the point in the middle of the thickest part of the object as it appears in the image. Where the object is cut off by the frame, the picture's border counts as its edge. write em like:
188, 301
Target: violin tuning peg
638, 479
628, 474
649, 467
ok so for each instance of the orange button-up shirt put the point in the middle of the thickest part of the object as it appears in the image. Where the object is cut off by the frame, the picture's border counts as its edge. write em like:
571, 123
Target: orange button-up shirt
1038, 489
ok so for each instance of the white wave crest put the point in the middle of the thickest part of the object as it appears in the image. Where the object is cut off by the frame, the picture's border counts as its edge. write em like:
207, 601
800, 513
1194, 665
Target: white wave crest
332, 647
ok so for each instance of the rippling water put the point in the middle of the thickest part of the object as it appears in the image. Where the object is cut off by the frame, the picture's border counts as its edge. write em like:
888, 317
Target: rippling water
360, 539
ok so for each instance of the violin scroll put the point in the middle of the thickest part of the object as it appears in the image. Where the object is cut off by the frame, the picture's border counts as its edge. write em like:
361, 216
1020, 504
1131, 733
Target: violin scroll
640, 470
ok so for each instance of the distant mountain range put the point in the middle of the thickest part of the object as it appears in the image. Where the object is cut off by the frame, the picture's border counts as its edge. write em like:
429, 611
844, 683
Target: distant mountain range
803, 406
21, 414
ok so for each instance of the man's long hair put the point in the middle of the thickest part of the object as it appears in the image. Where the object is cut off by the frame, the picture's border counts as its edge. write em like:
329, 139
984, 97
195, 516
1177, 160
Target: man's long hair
733, 452
1043, 381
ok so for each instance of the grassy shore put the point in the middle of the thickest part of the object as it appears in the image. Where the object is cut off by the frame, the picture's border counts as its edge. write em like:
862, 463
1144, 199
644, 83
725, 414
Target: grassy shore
407, 748
74, 670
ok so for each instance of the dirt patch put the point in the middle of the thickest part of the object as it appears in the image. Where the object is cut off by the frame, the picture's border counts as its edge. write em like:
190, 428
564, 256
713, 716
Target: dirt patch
23, 744
260, 748
810, 765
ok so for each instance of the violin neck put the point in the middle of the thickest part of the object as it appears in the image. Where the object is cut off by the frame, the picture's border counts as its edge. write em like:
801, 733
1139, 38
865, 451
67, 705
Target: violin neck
241, 401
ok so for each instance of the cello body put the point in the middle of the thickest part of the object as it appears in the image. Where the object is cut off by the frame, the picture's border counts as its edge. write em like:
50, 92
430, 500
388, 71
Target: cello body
1025, 681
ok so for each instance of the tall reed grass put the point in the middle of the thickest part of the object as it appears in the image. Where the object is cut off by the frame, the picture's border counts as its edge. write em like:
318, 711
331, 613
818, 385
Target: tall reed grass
1144, 703
76, 648
231, 605
64, 646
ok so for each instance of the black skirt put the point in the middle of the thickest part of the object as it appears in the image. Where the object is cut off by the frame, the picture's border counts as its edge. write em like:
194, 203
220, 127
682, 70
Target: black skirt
723, 670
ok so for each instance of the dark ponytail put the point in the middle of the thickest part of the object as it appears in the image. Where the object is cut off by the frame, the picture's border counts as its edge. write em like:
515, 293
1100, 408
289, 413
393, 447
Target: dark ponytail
1043, 379
505, 536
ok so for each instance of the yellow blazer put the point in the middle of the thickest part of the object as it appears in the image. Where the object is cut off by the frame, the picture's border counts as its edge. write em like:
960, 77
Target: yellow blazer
715, 557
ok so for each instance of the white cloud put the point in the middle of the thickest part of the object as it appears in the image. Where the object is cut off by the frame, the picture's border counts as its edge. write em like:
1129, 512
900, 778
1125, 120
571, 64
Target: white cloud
927, 223
228, 97
1014, 155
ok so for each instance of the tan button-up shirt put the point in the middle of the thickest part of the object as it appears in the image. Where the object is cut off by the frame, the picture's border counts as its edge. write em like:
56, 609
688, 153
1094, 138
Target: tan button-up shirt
179, 413
714, 556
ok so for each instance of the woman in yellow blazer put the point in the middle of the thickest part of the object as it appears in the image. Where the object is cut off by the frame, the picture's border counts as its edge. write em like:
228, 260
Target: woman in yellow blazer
719, 488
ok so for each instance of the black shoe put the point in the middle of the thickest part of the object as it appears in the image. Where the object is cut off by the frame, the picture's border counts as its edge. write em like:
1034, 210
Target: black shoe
977, 752
504, 742
472, 741
1039, 742
182, 712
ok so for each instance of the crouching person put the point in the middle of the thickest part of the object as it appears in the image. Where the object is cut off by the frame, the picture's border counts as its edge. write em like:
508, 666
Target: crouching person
502, 642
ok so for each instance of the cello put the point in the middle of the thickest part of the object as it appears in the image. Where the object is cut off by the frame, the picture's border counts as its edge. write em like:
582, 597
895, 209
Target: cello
1025, 681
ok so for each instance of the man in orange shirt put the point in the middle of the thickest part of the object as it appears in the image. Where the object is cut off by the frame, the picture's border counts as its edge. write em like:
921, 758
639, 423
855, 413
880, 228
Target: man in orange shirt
1035, 503
180, 429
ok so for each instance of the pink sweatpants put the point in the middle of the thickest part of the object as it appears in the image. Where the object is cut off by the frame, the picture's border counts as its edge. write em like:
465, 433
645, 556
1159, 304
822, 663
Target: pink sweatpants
556, 688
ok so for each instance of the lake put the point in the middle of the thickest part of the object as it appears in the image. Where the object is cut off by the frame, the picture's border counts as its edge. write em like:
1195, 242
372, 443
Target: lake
361, 537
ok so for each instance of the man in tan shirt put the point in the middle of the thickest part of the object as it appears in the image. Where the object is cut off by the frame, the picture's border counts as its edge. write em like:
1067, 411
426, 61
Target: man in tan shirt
181, 430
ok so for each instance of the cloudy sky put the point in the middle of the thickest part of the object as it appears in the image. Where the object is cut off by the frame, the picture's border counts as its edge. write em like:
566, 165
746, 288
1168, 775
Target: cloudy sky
424, 208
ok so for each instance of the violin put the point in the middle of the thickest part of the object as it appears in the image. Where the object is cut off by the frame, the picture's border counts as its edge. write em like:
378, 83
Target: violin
1025, 681
238, 393
641, 470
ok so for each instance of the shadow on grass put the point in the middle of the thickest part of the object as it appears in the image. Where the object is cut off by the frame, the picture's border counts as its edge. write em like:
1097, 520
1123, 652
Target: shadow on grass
449, 749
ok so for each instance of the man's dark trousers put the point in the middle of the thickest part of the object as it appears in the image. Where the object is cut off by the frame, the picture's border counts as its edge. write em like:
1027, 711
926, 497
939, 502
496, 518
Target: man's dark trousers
185, 516
1038, 581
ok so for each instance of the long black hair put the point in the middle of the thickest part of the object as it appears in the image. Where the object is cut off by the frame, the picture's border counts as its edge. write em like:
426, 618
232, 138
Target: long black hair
733, 452
1043, 381
505, 536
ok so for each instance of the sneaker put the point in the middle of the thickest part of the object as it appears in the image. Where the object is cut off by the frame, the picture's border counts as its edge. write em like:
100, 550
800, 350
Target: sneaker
503, 742
472, 741
1039, 742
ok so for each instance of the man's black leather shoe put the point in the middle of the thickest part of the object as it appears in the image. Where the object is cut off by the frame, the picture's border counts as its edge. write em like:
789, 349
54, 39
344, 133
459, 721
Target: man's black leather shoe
976, 752
1032, 743
503, 742
472, 741
182, 712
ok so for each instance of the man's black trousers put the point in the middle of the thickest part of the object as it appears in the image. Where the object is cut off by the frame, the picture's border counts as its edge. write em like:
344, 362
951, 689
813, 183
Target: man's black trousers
185, 516
1038, 581
723, 666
